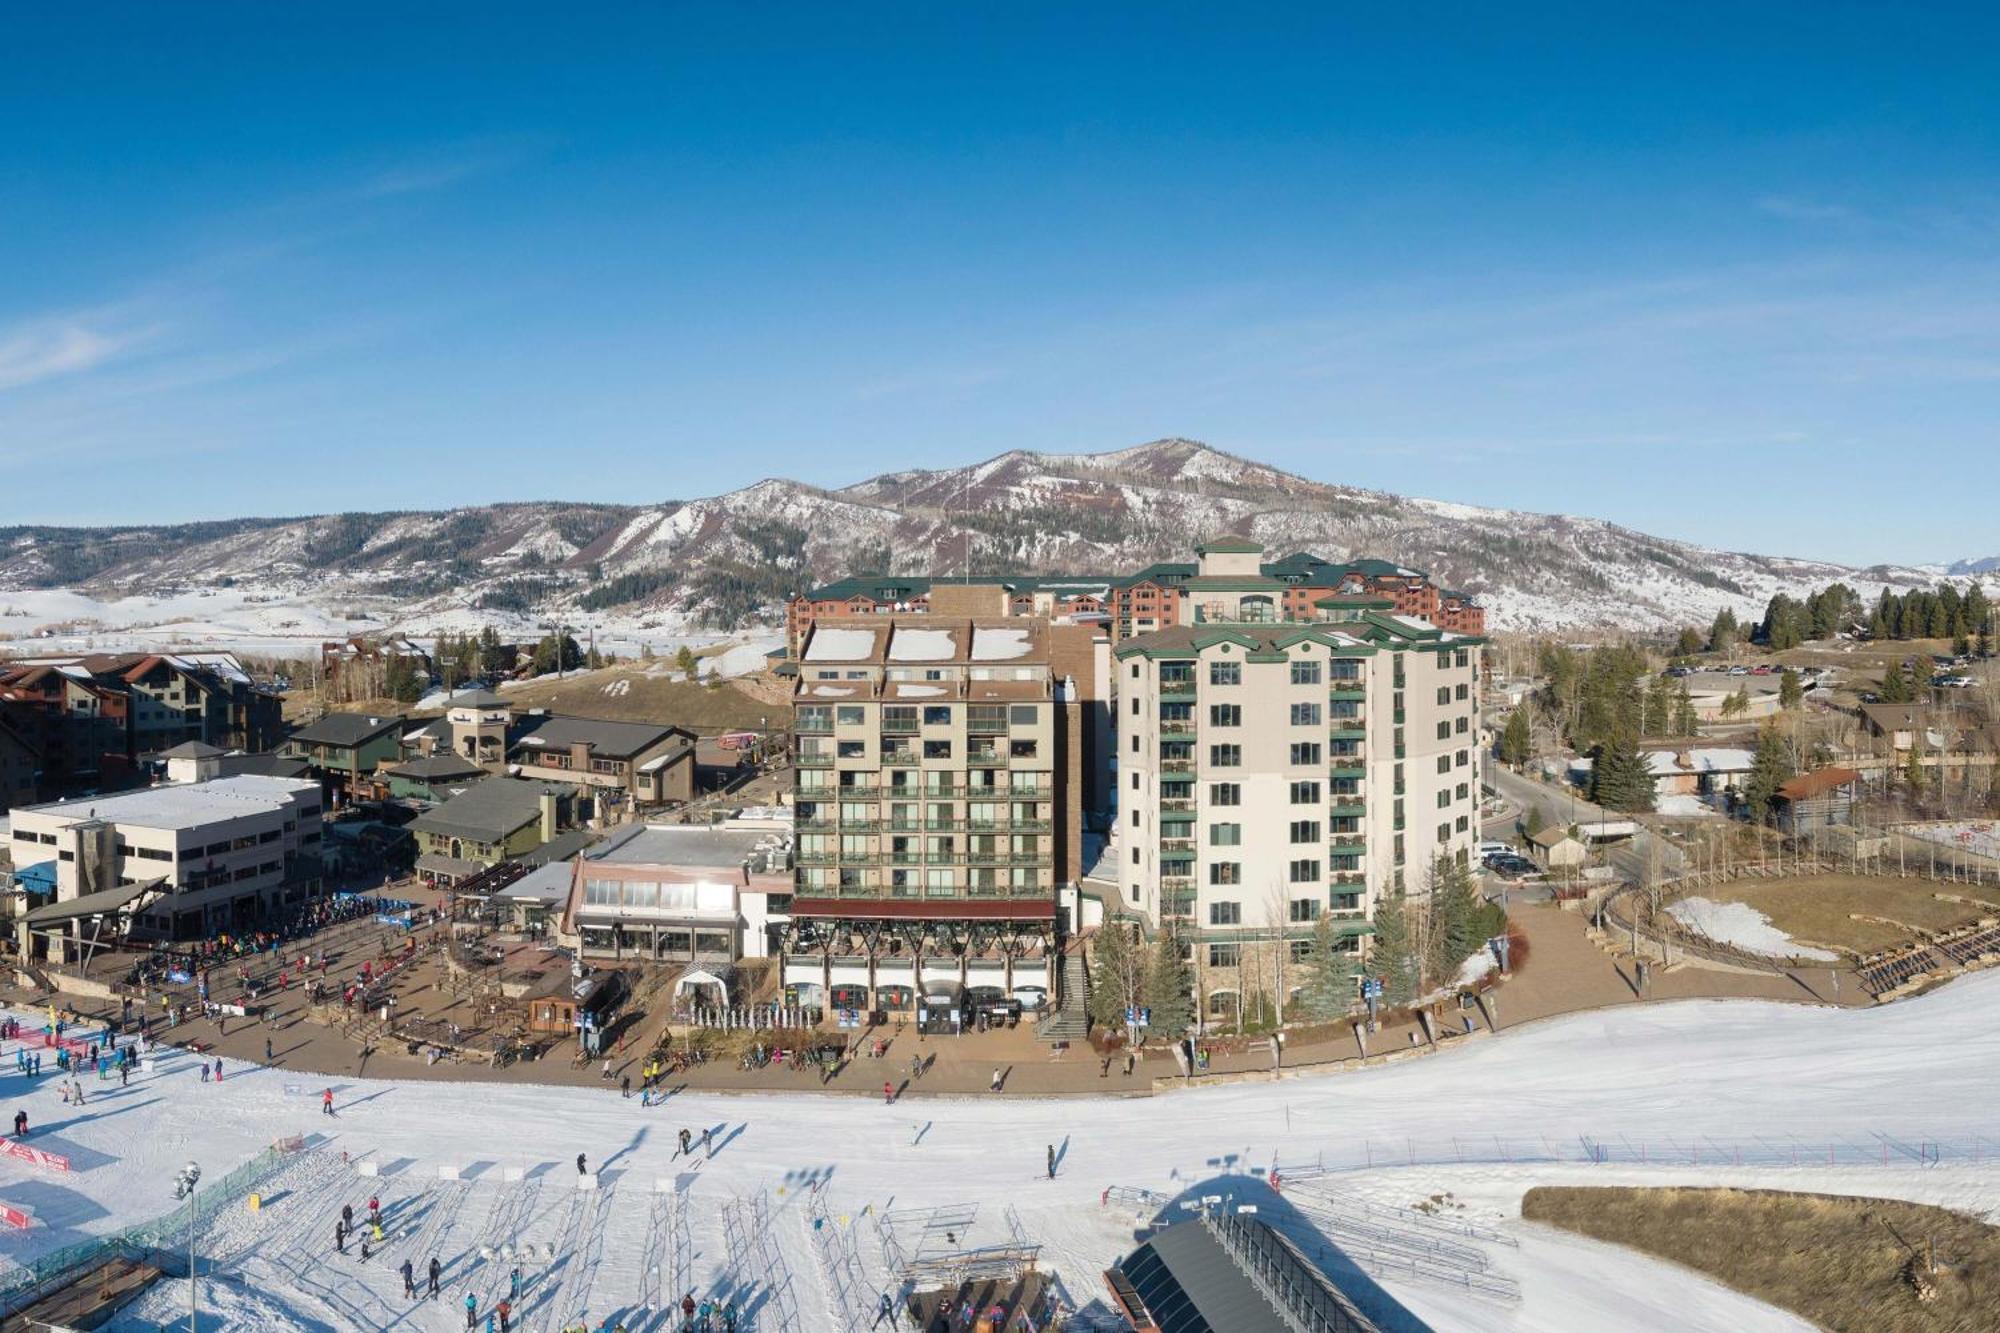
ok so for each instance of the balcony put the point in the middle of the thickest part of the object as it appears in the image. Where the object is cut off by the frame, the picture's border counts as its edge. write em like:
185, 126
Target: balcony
1349, 878
1347, 840
1177, 692
986, 726
899, 758
817, 858
1180, 846
806, 726
1177, 765
1177, 805
892, 727
984, 755
1177, 884
1346, 807
1346, 692
1358, 772
814, 761
1347, 729
1177, 906
1178, 727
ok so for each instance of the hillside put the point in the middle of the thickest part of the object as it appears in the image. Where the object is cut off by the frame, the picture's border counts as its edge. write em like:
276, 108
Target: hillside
725, 560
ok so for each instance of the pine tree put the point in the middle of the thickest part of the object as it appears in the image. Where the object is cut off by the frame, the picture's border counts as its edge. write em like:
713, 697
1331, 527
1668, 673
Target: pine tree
1392, 957
1170, 987
1895, 687
1913, 769
1619, 777
1769, 769
1723, 631
1536, 820
1328, 988
1790, 693
1451, 924
1659, 706
1517, 738
1689, 643
1117, 974
684, 661
1686, 723
1737, 704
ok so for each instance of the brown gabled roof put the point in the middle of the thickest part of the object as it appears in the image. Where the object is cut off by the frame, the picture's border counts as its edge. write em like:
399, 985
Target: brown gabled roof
1550, 836
1817, 783
1895, 717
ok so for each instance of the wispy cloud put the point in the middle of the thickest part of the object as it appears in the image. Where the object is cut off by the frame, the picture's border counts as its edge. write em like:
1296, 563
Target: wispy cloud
442, 168
928, 381
1794, 209
53, 347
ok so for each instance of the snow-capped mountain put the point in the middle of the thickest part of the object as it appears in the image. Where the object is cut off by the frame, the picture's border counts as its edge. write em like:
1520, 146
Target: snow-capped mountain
1966, 568
732, 558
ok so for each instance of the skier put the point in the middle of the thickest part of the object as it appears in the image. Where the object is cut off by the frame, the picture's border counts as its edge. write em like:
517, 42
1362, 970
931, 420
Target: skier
1052, 1161
708, 1141
347, 1216
687, 1310
685, 1151
204, 1071
729, 1316
218, 1069
340, 1237
435, 1266
884, 1309
364, 1249
409, 1281
374, 1208
579, 1165
625, 1086
471, 1310
514, 1283
326, 1102
888, 1092
506, 1312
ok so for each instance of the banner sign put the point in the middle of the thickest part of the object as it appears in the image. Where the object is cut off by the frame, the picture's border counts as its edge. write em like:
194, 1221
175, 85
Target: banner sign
15, 1148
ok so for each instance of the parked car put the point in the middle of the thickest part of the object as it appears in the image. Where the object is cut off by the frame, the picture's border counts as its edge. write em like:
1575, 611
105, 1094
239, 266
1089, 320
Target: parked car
1760, 669
1738, 671
1487, 849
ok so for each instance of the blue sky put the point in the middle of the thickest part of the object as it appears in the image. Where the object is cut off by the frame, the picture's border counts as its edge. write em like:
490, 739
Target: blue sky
1726, 274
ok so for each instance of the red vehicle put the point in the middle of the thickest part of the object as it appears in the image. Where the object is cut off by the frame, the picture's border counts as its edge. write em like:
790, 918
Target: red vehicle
736, 740
1760, 671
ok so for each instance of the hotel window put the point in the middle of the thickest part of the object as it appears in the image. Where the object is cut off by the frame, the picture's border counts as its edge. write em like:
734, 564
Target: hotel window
1225, 673
1225, 872
1305, 715
1305, 793
1227, 756
1225, 715
1304, 910
849, 715
1305, 673
937, 715
1225, 835
1305, 752
1224, 955
1225, 793
1225, 914
1305, 830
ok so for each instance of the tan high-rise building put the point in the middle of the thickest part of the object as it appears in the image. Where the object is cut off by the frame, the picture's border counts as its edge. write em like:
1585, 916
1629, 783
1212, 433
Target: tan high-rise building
938, 798
1271, 773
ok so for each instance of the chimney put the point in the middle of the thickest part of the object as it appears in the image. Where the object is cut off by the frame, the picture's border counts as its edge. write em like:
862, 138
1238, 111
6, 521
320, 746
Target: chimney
548, 816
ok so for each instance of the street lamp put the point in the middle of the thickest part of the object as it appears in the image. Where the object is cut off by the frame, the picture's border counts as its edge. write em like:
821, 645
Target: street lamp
184, 1187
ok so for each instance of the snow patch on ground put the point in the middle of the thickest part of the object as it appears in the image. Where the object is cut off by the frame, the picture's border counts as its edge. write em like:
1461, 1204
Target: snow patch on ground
1744, 927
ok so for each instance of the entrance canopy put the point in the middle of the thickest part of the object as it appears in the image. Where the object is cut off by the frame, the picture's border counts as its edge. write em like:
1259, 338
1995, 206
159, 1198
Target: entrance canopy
90, 904
694, 977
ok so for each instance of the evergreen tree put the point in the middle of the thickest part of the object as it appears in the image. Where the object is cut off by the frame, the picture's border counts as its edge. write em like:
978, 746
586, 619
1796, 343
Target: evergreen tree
1790, 693
1536, 820
1392, 957
1689, 643
1329, 976
1738, 703
1660, 706
1723, 631
1686, 723
684, 662
1769, 769
1117, 974
1619, 777
1452, 927
1913, 769
1895, 687
1170, 987
1516, 738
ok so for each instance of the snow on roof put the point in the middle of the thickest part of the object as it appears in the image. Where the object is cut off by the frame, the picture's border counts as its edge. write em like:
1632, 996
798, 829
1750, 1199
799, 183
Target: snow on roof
833, 644
833, 691
919, 691
1414, 622
186, 806
1713, 759
922, 645
998, 645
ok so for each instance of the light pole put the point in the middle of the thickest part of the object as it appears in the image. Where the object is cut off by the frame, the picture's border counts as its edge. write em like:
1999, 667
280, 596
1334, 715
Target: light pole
184, 1184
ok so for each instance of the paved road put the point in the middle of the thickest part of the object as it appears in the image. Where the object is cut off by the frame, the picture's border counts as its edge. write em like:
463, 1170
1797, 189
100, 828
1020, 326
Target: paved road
1562, 804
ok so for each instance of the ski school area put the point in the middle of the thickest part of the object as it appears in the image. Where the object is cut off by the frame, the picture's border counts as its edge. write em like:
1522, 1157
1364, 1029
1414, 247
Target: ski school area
803, 1211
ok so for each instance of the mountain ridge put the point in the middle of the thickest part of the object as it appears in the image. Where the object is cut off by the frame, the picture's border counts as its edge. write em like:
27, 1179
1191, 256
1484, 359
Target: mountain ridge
732, 558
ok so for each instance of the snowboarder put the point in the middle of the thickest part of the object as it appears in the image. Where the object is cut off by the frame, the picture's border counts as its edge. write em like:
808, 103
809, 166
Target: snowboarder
435, 1267
364, 1249
409, 1281
579, 1165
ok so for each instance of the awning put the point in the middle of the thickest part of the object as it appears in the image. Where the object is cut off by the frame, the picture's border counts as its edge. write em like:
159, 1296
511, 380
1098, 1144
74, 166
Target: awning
690, 979
37, 878
448, 867
91, 904
927, 909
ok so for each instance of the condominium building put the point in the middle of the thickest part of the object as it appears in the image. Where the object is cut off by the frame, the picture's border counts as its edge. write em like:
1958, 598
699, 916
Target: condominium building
938, 800
1271, 773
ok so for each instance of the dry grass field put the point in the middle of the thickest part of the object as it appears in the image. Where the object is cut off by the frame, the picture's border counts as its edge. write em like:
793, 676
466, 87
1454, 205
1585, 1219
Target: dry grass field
1843, 1263
1820, 909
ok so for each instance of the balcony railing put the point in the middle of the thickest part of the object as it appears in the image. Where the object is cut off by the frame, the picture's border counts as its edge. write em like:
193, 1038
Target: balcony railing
1346, 692
1347, 729
814, 761
1177, 765
1347, 840
891, 727
1340, 769
1178, 727
1178, 692
898, 758
1177, 805
984, 755
806, 726
1346, 807
1184, 846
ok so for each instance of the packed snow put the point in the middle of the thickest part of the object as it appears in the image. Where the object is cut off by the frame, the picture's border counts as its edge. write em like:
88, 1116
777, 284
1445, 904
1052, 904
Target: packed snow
830, 643
1721, 1076
1744, 927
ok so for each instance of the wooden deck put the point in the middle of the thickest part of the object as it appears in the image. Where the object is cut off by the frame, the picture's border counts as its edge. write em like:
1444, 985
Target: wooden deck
89, 1301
